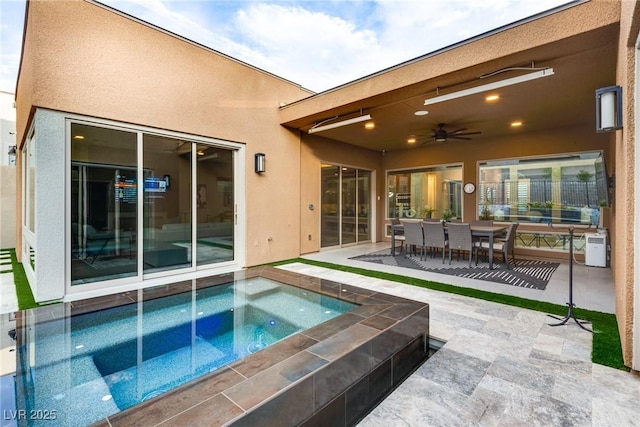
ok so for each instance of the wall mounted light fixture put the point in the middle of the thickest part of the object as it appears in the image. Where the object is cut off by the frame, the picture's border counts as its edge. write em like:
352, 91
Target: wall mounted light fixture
259, 162
608, 108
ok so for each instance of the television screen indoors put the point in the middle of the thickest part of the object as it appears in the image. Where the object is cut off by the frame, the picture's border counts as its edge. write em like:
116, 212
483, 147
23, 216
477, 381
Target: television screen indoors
155, 185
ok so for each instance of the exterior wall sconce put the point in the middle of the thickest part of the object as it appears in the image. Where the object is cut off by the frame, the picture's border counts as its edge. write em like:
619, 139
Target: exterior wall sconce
608, 109
259, 162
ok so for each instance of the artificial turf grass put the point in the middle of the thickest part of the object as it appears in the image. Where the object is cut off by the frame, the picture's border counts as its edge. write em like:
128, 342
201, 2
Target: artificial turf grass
606, 349
23, 290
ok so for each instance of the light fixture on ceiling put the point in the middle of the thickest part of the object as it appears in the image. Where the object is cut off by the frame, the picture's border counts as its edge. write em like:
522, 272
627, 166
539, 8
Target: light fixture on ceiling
516, 123
608, 108
411, 140
320, 127
491, 98
490, 86
78, 137
421, 113
369, 125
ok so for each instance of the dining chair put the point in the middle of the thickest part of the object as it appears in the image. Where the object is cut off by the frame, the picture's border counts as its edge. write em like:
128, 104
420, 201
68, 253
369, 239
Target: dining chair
460, 239
398, 234
413, 237
503, 244
434, 237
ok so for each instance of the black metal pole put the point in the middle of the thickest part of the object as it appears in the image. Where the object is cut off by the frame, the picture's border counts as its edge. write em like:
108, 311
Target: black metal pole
570, 313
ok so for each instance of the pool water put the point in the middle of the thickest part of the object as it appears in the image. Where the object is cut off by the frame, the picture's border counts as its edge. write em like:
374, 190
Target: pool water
89, 366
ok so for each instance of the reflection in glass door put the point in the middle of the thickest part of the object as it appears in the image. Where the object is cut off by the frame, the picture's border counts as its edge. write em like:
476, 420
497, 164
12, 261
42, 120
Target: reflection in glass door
215, 205
330, 219
167, 203
183, 192
103, 204
346, 205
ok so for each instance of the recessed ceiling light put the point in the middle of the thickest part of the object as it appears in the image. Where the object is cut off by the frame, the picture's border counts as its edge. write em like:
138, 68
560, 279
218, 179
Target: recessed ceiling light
421, 113
78, 137
411, 140
516, 124
369, 125
491, 98
200, 153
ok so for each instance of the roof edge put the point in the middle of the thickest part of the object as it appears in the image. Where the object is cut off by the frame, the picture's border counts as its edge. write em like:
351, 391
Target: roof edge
192, 42
453, 46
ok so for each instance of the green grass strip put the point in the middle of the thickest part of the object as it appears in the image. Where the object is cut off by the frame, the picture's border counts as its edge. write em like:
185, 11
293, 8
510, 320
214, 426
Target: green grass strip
607, 349
23, 290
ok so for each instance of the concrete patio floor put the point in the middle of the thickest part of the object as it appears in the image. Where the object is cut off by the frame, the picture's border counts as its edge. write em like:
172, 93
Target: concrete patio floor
500, 365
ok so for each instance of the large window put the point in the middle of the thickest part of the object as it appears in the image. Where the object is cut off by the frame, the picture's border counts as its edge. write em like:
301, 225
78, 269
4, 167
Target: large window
144, 204
425, 193
561, 189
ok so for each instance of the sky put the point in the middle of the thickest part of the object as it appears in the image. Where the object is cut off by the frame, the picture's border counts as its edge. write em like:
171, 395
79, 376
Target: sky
317, 44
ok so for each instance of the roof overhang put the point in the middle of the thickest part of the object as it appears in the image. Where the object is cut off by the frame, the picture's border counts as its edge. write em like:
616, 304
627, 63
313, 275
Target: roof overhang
579, 43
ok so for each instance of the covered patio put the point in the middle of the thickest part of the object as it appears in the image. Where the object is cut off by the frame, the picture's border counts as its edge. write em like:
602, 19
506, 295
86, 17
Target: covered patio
501, 126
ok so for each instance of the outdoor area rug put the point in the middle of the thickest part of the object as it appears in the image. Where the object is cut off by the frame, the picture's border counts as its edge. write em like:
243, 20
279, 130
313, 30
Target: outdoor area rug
527, 273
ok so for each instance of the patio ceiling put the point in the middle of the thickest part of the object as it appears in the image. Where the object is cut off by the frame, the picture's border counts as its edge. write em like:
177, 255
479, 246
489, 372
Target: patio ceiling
581, 64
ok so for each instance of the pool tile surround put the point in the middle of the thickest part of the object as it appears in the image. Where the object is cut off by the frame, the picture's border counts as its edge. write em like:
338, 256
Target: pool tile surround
313, 376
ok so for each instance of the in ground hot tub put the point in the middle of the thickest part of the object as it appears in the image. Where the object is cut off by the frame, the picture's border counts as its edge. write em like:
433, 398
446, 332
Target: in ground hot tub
239, 349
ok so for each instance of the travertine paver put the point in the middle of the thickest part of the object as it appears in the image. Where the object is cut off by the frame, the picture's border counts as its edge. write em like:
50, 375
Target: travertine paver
501, 365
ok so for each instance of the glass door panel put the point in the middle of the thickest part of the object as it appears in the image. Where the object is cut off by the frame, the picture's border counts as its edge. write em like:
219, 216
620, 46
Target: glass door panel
364, 206
215, 205
346, 205
349, 217
103, 204
167, 203
330, 218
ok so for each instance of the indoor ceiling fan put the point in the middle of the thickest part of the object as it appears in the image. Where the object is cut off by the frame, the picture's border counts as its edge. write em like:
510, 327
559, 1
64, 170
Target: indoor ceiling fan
442, 135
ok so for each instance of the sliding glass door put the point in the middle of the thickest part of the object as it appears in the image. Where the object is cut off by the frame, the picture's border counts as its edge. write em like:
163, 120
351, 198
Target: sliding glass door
143, 204
167, 202
346, 205
104, 204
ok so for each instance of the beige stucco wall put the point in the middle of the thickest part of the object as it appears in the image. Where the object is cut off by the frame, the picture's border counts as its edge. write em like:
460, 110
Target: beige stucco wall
88, 60
7, 206
625, 247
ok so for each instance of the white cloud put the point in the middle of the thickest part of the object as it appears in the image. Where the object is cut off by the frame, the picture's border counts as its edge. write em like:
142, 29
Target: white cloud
311, 48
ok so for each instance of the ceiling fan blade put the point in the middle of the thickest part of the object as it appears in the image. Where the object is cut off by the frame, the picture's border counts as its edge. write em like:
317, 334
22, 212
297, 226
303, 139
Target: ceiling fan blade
459, 137
466, 133
457, 130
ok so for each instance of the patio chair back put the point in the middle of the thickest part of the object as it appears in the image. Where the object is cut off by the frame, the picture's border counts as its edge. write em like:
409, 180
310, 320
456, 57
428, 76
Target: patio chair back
509, 243
413, 236
460, 239
434, 236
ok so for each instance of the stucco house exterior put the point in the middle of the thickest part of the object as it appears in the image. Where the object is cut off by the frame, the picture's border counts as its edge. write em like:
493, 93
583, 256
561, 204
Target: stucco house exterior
139, 149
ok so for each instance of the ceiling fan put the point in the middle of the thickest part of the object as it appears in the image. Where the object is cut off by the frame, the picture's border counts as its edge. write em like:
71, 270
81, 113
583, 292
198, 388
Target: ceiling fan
442, 135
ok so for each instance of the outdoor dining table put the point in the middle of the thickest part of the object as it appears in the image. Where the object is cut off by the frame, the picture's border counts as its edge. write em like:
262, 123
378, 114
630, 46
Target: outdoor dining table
490, 232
